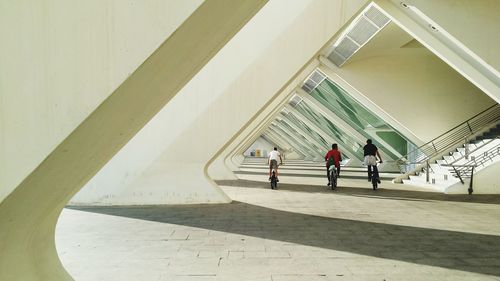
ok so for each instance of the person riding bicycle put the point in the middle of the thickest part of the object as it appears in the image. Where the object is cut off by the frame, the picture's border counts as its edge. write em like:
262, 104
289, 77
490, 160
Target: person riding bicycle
333, 157
370, 153
273, 162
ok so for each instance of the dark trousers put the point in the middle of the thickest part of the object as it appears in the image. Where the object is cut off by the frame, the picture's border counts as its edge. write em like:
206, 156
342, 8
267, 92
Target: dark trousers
375, 171
328, 171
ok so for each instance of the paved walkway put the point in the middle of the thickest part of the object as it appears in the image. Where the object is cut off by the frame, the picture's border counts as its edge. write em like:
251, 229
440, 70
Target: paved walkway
298, 232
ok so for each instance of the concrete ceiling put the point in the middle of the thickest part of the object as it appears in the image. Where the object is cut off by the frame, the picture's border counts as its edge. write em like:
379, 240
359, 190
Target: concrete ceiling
389, 39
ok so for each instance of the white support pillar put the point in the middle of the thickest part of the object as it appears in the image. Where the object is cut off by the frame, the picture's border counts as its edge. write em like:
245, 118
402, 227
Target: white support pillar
28, 216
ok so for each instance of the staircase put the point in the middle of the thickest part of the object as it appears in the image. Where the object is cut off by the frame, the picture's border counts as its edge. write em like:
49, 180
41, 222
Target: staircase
458, 165
446, 160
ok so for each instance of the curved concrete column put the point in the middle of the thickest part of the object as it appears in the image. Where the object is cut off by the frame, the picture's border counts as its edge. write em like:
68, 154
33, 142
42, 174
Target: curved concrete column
239, 82
29, 214
60, 60
256, 125
209, 109
342, 13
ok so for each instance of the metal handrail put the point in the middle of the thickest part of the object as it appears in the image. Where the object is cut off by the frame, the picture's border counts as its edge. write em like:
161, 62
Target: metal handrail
464, 170
478, 161
460, 176
455, 160
460, 132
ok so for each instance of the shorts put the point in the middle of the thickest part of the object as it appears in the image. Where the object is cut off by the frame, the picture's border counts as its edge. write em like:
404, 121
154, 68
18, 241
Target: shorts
273, 164
370, 160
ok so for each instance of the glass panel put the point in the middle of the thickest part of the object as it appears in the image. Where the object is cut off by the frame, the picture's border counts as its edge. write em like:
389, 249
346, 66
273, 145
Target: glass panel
395, 140
300, 137
328, 127
339, 102
294, 120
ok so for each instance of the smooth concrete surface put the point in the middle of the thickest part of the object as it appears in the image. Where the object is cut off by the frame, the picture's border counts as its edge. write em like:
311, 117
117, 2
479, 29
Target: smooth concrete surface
450, 49
462, 19
295, 233
229, 157
146, 178
210, 115
29, 214
60, 60
412, 85
260, 144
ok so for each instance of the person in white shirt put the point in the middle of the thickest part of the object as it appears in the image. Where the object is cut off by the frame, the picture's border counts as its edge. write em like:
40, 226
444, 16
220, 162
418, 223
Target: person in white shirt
272, 160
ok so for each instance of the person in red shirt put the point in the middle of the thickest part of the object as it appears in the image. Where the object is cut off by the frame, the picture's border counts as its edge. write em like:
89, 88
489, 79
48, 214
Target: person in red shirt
333, 157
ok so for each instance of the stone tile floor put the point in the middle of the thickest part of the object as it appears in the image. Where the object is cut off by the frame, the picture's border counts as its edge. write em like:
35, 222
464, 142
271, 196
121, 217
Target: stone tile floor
298, 232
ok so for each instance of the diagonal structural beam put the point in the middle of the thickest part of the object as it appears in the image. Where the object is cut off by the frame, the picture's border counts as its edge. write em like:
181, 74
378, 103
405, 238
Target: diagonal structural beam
29, 214
343, 125
328, 68
271, 135
283, 144
274, 132
308, 137
296, 138
451, 51
323, 133
279, 145
291, 138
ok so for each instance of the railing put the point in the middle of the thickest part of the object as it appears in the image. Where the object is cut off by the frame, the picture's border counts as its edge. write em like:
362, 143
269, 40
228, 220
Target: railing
466, 170
453, 136
468, 152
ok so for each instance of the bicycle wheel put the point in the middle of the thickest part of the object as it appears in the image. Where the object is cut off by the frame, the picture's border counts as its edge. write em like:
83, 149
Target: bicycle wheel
333, 179
274, 182
374, 182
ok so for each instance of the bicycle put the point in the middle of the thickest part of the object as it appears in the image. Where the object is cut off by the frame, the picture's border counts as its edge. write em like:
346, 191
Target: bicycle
274, 180
375, 177
333, 176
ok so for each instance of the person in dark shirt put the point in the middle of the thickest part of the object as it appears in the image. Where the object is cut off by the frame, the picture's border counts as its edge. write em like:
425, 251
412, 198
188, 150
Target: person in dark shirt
371, 153
333, 157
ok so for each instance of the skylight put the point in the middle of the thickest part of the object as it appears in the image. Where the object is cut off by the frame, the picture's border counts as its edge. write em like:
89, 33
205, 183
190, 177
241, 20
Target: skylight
366, 25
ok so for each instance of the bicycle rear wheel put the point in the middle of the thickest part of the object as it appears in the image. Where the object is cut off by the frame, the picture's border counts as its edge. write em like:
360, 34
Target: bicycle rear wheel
274, 181
333, 179
374, 183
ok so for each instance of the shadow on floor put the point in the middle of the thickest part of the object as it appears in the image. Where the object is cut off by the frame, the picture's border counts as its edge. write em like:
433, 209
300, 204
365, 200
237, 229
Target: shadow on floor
367, 192
448, 249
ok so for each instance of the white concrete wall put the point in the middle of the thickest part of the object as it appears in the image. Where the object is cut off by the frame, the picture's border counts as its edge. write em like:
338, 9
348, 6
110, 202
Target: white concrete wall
60, 59
485, 182
260, 144
28, 216
474, 23
214, 106
227, 157
413, 86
